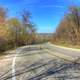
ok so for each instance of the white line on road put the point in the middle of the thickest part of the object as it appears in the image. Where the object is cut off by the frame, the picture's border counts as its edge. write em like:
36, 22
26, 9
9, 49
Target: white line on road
14, 63
17, 51
13, 68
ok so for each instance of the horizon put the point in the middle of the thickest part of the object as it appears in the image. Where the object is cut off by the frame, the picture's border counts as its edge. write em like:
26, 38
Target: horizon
45, 14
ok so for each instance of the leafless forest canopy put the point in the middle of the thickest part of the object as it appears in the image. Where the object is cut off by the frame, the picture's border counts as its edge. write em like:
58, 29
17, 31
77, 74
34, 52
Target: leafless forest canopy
18, 32
68, 31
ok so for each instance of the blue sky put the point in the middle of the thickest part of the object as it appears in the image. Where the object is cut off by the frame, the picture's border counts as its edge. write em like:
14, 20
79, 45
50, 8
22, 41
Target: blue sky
46, 14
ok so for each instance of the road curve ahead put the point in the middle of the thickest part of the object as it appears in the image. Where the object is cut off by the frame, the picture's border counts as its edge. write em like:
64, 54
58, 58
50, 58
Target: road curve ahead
40, 62
75, 53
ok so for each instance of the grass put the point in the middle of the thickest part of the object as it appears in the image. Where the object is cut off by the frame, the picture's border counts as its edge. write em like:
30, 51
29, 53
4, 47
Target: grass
67, 45
71, 46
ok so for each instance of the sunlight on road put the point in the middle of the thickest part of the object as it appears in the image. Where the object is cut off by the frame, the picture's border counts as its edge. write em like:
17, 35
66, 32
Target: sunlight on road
35, 63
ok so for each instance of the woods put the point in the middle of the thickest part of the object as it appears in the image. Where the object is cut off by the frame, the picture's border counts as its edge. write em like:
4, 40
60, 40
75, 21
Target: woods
14, 31
68, 31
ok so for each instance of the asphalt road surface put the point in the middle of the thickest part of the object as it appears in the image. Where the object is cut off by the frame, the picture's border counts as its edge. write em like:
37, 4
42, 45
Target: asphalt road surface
40, 62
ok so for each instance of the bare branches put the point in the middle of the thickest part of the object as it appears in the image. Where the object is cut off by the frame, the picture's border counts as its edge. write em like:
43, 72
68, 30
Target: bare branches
68, 31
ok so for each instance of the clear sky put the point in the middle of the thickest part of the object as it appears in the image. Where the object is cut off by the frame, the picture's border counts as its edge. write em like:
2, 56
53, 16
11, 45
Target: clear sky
46, 14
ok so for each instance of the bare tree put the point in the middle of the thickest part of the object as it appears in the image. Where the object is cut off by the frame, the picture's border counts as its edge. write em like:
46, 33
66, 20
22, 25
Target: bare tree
69, 28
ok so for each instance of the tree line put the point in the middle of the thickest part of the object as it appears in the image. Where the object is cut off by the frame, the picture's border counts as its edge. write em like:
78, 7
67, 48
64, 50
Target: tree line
14, 31
68, 31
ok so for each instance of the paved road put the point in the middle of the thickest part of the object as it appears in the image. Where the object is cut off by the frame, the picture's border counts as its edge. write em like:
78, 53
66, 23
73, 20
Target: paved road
40, 62
67, 51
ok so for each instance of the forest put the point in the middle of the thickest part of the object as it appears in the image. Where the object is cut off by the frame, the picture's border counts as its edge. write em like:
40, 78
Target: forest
16, 32
68, 31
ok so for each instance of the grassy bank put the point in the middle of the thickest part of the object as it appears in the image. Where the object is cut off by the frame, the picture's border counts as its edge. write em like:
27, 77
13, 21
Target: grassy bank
66, 45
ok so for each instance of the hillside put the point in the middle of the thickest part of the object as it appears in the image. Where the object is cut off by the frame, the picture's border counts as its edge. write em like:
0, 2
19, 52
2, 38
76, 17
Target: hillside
68, 31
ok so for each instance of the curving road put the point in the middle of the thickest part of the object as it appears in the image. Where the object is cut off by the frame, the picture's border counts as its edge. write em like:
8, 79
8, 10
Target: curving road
40, 62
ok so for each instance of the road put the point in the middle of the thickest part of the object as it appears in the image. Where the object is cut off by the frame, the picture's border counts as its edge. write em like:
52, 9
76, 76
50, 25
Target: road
67, 51
40, 62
